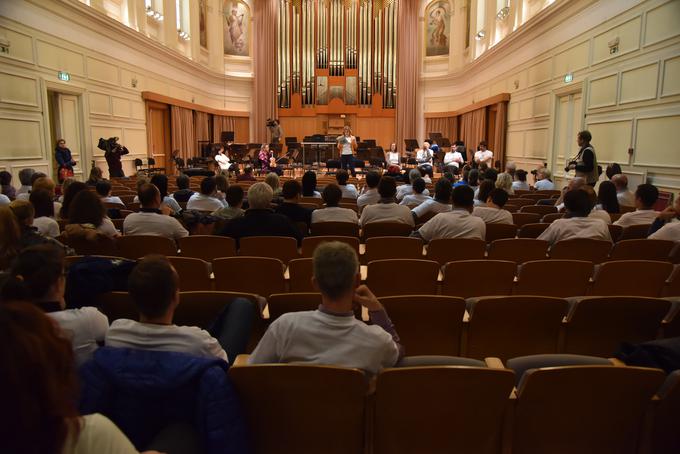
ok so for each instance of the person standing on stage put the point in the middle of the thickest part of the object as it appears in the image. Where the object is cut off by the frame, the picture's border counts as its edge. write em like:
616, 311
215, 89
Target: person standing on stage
585, 162
347, 145
275, 129
64, 160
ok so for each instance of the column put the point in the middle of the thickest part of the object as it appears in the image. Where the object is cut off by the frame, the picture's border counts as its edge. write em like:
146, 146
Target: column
195, 30
215, 36
137, 12
170, 24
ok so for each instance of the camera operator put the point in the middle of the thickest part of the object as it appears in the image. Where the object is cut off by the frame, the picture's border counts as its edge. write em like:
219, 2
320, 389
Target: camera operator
112, 153
275, 129
585, 162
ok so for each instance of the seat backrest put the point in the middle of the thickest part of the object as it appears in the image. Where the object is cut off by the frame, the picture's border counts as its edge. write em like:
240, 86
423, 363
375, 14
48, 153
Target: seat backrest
442, 315
300, 273
102, 245
310, 243
385, 229
519, 250
633, 232
500, 231
280, 303
446, 250
117, 305
201, 308
335, 229
532, 230
598, 325
549, 218
665, 436
510, 326
207, 247
470, 278
559, 278
672, 287
531, 196
440, 409
615, 232
422, 277
641, 249
584, 409
630, 277
259, 275
541, 210
391, 247
589, 249
520, 219
302, 395
194, 274
520, 202
137, 246
279, 247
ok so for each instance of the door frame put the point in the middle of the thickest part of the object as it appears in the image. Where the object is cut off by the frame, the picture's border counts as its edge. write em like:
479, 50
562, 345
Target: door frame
167, 153
552, 131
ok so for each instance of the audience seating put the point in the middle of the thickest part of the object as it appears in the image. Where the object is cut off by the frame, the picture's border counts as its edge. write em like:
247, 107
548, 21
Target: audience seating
335, 229
559, 278
300, 273
519, 250
633, 232
615, 232
541, 210
440, 409
626, 209
595, 251
103, 245
597, 325
309, 244
194, 274
665, 436
202, 308
672, 288
310, 206
549, 218
302, 408
522, 364
117, 305
674, 256
500, 231
391, 247
207, 247
473, 277
532, 230
531, 196
259, 275
427, 324
350, 206
614, 216
278, 247
318, 201
446, 250
641, 249
137, 246
510, 326
630, 278
387, 277
280, 303
373, 229
511, 208
520, 219
582, 409
520, 202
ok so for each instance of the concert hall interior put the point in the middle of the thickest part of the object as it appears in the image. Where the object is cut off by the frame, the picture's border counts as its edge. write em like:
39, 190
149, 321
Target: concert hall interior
219, 202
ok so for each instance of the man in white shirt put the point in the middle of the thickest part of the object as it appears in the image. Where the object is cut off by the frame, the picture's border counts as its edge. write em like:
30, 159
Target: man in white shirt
645, 198
576, 223
440, 204
453, 159
150, 220
458, 223
349, 191
624, 195
520, 182
154, 288
205, 200
332, 194
26, 180
386, 210
415, 199
484, 156
369, 195
405, 189
666, 226
493, 212
103, 188
331, 334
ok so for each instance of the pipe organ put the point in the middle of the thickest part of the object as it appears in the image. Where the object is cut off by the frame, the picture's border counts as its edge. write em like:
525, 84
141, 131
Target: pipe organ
337, 49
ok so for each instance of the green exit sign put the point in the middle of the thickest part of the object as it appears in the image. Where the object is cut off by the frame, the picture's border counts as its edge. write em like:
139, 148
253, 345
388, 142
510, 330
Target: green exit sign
568, 78
63, 75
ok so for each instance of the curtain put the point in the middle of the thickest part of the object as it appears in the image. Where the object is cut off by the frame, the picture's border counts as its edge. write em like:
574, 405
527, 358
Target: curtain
220, 124
182, 129
499, 132
447, 126
201, 126
264, 99
408, 70
473, 129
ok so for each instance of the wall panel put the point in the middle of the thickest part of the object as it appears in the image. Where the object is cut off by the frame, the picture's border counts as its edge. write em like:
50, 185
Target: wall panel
612, 140
515, 145
657, 141
603, 92
102, 71
100, 103
22, 138
526, 108
671, 77
18, 90
572, 59
628, 34
60, 59
21, 45
135, 140
639, 84
540, 72
662, 22
121, 107
542, 105
536, 143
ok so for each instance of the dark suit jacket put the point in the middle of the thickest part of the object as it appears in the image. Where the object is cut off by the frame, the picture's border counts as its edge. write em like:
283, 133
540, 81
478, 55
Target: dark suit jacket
295, 212
260, 223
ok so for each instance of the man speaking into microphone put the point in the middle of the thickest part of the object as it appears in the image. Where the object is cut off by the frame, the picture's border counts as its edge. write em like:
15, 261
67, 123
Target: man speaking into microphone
347, 144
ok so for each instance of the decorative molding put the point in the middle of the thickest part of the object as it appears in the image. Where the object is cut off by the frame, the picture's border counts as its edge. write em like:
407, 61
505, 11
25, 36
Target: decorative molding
150, 96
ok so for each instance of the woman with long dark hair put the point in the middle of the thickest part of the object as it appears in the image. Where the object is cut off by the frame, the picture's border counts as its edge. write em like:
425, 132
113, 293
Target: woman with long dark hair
309, 185
606, 198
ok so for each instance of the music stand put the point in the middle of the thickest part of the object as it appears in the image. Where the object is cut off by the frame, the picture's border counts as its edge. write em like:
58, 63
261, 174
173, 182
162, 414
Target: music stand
227, 136
411, 144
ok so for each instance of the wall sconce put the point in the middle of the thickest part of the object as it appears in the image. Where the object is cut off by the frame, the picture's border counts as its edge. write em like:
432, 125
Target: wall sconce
4, 45
155, 15
480, 35
613, 45
183, 35
133, 82
503, 13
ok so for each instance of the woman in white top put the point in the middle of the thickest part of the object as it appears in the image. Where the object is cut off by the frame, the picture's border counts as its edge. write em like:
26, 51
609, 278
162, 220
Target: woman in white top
40, 395
222, 159
333, 212
392, 157
44, 213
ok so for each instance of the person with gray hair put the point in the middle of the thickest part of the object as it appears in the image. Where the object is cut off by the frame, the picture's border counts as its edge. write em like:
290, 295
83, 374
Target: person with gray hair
331, 334
544, 180
406, 189
260, 219
624, 195
26, 180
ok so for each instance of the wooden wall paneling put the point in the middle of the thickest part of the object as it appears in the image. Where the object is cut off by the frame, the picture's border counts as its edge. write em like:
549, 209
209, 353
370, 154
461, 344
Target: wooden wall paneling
158, 134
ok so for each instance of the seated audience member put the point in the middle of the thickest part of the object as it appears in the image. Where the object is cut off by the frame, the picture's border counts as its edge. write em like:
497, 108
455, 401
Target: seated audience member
154, 289
645, 198
28, 235
607, 199
543, 180
349, 191
272, 179
44, 213
623, 194
511, 169
406, 189
504, 182
613, 169
161, 182
206, 200
425, 175
222, 184
103, 188
482, 193
369, 195
440, 204
291, 203
387, 210
576, 223
38, 276
70, 193
464, 181
234, 198
458, 223
183, 193
309, 185
87, 217
40, 181
95, 177
394, 172
26, 180
574, 184
332, 212
331, 334
594, 212
10, 235
150, 220
521, 181
4, 200
41, 392
141, 181
260, 219
64, 186
490, 174
666, 226
493, 212
6, 187
247, 175
417, 197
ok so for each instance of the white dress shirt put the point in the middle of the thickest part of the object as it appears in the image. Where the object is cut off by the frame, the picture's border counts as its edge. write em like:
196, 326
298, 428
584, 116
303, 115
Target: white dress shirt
46, 226
484, 156
626, 197
637, 217
223, 161
202, 202
334, 214
544, 185
424, 156
577, 227
112, 199
386, 212
493, 215
431, 206
413, 200
84, 327
458, 223
453, 158
406, 189
600, 214
369, 197
670, 231
349, 191
153, 224
521, 185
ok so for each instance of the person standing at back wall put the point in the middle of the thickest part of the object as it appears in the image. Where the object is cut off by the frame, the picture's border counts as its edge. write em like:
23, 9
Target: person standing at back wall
347, 145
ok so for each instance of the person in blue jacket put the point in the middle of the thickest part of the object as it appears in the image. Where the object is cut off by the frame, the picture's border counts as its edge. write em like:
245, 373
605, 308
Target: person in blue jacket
64, 160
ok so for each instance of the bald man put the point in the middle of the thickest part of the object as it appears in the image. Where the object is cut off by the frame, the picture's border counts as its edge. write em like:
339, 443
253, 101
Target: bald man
623, 194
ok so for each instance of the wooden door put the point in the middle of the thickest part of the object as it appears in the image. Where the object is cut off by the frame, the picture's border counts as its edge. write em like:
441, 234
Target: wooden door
158, 134
67, 126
